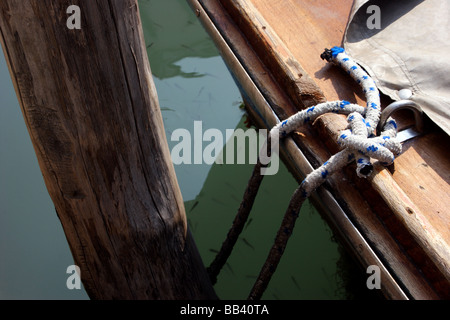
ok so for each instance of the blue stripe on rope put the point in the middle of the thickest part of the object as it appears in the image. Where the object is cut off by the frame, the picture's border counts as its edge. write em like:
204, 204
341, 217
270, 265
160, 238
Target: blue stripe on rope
336, 50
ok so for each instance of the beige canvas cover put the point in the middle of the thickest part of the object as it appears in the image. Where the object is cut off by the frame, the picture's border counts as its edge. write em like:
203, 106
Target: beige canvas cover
405, 45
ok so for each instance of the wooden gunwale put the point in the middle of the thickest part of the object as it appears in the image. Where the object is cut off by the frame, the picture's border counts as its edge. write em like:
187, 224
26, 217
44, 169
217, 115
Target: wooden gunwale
285, 86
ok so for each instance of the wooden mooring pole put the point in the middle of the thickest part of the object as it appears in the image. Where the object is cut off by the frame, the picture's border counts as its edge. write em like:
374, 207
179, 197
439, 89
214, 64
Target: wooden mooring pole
91, 109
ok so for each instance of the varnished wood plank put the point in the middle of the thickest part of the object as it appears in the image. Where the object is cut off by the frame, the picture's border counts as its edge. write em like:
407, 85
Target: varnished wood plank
425, 178
305, 20
313, 28
283, 107
309, 26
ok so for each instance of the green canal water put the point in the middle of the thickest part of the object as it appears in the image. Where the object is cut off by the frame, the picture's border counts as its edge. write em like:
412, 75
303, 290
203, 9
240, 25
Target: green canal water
193, 84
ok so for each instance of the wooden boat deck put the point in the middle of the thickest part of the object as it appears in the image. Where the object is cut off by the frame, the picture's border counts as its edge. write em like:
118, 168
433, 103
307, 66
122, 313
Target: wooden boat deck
422, 170
402, 210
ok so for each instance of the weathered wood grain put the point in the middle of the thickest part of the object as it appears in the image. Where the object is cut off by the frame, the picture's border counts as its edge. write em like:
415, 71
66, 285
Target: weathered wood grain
91, 109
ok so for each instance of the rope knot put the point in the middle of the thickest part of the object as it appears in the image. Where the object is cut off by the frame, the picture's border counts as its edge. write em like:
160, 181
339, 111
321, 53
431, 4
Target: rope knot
359, 140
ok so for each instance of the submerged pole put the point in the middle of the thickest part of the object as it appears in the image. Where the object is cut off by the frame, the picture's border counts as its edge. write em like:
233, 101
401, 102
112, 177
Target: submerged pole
83, 80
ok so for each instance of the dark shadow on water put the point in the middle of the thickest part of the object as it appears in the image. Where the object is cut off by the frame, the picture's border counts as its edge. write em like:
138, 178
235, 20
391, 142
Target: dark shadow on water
172, 32
313, 266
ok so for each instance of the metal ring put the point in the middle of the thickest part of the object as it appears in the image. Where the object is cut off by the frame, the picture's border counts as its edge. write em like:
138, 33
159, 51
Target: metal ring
398, 105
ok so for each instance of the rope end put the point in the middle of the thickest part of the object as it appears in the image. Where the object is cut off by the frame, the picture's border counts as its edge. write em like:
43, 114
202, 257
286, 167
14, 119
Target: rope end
332, 53
327, 55
365, 170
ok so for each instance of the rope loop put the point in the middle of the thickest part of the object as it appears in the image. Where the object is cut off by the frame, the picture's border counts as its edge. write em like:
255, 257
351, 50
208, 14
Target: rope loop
359, 142
359, 139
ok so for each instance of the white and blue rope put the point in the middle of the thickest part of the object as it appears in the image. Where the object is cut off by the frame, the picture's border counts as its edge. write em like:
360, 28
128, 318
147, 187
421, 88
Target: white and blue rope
359, 144
358, 140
